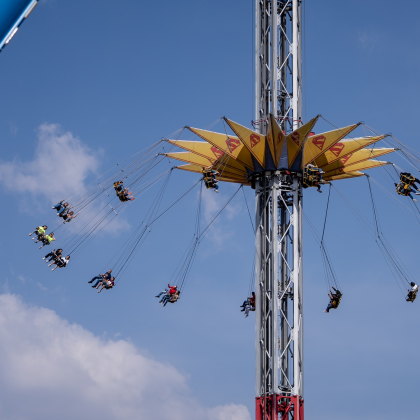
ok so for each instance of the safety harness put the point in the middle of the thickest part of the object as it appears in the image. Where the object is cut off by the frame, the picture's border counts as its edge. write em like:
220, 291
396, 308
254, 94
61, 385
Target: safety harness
311, 176
412, 296
336, 300
209, 178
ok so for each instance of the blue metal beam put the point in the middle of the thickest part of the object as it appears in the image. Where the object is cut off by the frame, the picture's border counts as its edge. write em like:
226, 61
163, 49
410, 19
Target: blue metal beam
12, 14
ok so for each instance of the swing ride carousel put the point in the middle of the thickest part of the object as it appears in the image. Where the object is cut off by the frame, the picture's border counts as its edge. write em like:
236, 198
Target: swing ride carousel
278, 166
243, 157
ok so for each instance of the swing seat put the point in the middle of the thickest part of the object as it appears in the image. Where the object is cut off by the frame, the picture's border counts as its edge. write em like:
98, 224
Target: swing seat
407, 179
311, 177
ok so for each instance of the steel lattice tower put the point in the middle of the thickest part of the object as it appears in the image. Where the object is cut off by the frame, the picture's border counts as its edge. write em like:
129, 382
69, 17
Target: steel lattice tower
272, 159
278, 241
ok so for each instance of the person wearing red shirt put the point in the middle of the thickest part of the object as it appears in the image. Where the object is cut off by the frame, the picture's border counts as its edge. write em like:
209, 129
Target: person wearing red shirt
172, 289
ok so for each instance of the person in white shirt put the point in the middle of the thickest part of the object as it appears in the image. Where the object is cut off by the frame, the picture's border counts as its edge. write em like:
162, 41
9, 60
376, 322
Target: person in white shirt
412, 292
61, 262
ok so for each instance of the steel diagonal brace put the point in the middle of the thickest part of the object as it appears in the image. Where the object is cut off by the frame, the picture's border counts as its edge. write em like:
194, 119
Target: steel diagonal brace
288, 109
285, 35
286, 348
285, 204
284, 317
285, 233
284, 291
287, 286
284, 8
284, 61
284, 259
288, 94
287, 379
287, 410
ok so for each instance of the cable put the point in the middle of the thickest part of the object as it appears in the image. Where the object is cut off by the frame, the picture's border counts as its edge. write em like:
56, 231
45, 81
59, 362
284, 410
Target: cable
249, 213
326, 214
183, 268
385, 247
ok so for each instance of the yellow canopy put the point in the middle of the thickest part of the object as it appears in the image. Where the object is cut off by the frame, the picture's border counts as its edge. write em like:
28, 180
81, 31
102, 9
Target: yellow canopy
343, 176
200, 148
190, 158
275, 139
356, 157
296, 140
226, 177
367, 164
229, 144
233, 156
344, 148
220, 166
252, 140
212, 153
319, 143
232, 164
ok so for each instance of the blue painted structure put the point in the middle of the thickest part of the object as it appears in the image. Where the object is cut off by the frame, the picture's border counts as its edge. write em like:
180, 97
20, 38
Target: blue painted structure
12, 14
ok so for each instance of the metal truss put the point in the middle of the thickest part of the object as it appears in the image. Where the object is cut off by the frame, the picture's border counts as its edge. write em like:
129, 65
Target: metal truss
278, 241
278, 63
279, 294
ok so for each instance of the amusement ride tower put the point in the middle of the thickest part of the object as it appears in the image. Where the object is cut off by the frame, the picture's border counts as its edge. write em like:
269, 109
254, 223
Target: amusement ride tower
278, 192
278, 158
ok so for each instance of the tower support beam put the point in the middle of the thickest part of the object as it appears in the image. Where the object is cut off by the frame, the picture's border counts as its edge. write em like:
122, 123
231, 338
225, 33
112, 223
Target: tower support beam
278, 240
279, 293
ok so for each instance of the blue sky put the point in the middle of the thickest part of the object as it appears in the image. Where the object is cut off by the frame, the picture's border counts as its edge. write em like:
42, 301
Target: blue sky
87, 84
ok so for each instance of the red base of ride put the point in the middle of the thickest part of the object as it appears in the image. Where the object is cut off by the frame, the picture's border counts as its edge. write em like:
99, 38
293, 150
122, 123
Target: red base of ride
279, 407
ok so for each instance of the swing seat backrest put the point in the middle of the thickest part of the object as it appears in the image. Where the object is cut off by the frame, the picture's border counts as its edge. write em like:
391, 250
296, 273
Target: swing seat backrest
407, 179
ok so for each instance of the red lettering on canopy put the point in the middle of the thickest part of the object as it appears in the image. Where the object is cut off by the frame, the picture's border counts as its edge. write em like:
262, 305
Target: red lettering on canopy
319, 142
295, 137
280, 137
232, 144
344, 159
255, 139
337, 149
217, 152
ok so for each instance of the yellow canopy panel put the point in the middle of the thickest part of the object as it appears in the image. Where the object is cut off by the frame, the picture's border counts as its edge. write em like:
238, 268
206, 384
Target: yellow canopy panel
343, 176
201, 162
223, 177
190, 158
232, 164
229, 144
224, 170
276, 136
252, 140
275, 139
234, 180
367, 164
319, 143
210, 152
356, 157
344, 148
296, 139
200, 148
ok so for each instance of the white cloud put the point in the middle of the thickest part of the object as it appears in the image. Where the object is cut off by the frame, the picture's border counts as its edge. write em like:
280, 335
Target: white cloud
43, 288
368, 40
219, 232
52, 369
60, 165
